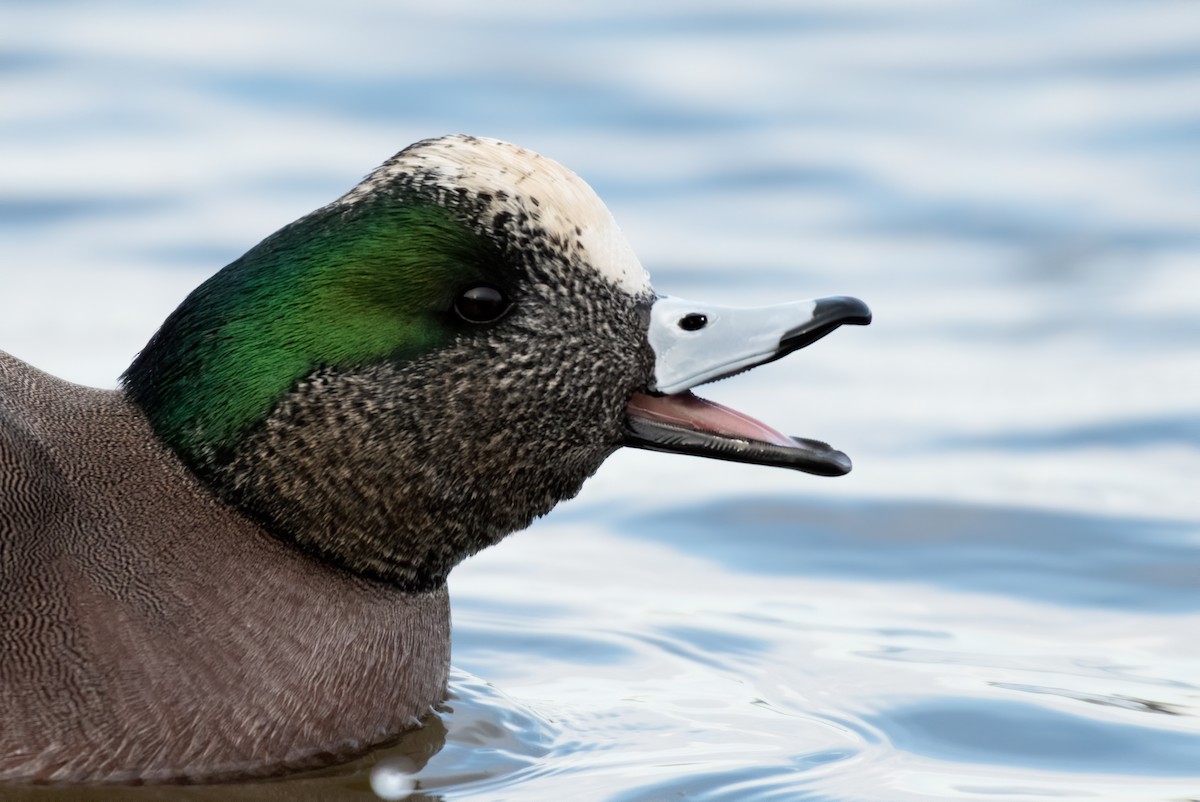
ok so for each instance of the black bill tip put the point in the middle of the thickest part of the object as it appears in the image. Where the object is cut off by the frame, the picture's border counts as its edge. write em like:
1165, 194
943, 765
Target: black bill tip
828, 315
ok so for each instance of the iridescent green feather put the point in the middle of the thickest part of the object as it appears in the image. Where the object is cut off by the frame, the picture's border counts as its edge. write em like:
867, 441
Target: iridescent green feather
341, 287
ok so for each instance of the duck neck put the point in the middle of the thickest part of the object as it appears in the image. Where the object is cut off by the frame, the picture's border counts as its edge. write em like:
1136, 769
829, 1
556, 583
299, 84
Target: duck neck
352, 468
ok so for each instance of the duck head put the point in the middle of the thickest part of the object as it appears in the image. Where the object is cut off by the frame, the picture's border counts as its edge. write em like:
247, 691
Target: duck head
423, 366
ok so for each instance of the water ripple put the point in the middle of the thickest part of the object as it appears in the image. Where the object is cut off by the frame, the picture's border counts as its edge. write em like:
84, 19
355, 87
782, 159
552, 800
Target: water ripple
971, 730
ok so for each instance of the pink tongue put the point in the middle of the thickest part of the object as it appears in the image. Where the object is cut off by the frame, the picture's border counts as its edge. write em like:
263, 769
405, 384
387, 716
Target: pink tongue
693, 412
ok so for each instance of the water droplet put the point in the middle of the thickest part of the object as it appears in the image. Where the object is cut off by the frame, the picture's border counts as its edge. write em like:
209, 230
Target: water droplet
393, 778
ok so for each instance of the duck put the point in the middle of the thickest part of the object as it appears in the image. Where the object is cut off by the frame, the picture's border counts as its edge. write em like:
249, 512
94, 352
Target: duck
234, 565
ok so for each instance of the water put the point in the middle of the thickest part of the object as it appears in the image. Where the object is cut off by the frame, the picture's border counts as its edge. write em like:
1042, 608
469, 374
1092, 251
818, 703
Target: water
1001, 602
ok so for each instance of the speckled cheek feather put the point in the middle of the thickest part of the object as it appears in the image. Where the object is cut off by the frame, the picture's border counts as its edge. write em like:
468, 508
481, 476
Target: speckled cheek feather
398, 471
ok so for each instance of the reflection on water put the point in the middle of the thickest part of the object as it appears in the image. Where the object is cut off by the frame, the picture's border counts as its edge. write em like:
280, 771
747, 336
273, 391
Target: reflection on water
1054, 557
1016, 734
1001, 601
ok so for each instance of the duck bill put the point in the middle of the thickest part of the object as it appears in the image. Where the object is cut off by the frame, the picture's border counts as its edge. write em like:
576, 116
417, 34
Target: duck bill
698, 343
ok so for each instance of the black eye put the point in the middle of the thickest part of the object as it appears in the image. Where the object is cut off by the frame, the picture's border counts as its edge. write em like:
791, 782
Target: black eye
481, 304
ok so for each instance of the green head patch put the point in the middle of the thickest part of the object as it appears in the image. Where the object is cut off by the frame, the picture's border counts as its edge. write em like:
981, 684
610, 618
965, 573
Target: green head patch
345, 286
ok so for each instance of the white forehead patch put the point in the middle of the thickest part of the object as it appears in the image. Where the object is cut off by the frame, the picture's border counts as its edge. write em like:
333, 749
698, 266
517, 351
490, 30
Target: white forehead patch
566, 207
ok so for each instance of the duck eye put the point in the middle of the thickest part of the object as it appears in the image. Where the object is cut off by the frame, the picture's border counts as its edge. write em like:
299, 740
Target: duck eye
481, 304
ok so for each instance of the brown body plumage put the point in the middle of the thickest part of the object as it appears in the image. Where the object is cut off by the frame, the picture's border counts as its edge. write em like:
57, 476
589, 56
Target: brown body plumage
145, 619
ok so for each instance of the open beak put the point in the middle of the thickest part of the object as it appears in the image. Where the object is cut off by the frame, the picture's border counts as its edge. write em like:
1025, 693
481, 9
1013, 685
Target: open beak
698, 343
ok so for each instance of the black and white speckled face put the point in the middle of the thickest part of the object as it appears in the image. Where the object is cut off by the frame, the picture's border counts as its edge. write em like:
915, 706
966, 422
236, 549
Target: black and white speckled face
402, 466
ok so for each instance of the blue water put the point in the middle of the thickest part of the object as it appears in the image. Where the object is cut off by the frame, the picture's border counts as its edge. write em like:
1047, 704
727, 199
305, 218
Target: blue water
1000, 602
